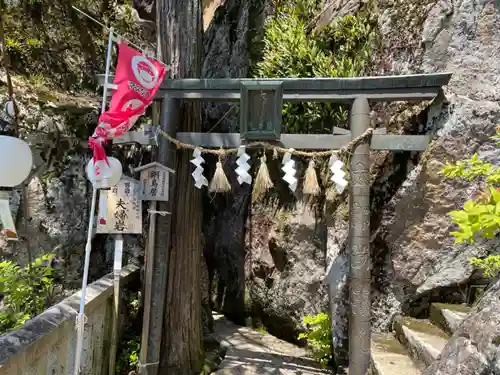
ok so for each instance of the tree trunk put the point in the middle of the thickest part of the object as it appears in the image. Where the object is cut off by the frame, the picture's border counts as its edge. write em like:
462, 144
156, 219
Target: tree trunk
179, 30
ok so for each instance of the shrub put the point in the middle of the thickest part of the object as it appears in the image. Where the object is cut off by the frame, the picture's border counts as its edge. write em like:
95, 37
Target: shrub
128, 359
319, 337
25, 294
480, 217
292, 48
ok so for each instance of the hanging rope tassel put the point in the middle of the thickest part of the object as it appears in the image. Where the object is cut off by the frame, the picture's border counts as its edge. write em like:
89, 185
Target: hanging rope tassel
263, 181
219, 183
331, 194
311, 186
275, 154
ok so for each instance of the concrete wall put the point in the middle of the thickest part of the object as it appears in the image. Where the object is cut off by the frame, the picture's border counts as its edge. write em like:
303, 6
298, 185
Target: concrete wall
45, 345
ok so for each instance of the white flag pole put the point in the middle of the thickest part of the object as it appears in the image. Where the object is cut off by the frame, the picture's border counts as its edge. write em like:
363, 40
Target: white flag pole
80, 319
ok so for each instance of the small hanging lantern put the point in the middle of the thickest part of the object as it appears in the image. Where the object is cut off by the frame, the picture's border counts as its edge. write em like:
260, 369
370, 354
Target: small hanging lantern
109, 176
16, 161
10, 108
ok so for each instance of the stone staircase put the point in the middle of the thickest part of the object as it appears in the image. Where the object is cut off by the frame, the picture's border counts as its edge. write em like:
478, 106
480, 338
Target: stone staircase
415, 343
249, 352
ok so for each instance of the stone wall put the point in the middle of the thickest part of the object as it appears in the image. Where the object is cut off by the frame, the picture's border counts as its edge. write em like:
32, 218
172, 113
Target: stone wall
46, 343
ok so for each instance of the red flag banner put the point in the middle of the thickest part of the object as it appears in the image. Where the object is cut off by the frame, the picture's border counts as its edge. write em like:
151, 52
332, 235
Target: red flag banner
137, 78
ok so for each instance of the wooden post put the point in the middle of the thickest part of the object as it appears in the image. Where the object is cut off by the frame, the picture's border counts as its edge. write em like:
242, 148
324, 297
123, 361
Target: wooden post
117, 268
157, 252
359, 238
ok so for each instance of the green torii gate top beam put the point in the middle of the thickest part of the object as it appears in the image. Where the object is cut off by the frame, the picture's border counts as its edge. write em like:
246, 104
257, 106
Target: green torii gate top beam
383, 88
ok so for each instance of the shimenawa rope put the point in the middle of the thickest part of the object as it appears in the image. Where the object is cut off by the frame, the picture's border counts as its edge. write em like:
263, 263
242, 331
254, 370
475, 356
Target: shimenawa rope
267, 146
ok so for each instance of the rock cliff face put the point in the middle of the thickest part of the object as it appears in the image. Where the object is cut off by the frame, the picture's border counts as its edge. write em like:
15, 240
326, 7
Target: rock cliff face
457, 36
414, 259
55, 54
59, 194
474, 347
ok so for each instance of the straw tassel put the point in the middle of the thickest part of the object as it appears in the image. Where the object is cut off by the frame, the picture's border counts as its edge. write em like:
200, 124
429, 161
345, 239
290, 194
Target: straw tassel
311, 186
219, 183
275, 154
263, 181
331, 194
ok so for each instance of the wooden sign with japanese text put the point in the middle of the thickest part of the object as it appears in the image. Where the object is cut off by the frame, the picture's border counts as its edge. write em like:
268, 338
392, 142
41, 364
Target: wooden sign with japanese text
123, 208
154, 181
6, 221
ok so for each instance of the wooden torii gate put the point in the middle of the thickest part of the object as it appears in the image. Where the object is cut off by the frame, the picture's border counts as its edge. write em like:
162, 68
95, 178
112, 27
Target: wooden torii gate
269, 94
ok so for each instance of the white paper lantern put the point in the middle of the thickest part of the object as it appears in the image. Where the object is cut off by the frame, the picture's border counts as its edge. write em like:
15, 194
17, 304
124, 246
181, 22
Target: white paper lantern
110, 175
9, 108
16, 161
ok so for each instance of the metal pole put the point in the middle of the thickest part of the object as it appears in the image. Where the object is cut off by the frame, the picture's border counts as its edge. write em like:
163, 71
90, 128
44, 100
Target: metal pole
108, 67
80, 321
155, 280
117, 268
359, 238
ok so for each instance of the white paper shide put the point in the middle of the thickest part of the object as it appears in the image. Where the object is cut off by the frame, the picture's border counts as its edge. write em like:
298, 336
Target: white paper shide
336, 167
289, 169
123, 212
243, 167
199, 179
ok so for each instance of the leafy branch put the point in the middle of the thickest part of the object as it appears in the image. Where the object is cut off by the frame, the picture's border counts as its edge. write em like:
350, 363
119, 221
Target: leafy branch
472, 169
319, 337
480, 217
18, 284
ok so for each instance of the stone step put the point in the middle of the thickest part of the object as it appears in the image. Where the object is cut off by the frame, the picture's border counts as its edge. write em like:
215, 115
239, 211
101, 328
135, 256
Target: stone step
423, 340
448, 316
389, 357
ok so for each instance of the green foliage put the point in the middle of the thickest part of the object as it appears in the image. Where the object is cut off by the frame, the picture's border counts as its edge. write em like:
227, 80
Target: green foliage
261, 330
292, 48
471, 169
52, 39
129, 347
490, 265
129, 357
319, 337
19, 289
480, 217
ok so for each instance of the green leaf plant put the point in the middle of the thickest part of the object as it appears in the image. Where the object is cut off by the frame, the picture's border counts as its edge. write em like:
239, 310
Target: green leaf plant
480, 217
319, 337
19, 288
294, 47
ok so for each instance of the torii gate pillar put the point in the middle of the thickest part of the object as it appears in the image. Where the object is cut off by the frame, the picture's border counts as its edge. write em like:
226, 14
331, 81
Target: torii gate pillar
359, 243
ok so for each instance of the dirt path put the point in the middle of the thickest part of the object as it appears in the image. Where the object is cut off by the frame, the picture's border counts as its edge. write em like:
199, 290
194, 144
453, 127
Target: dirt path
253, 353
